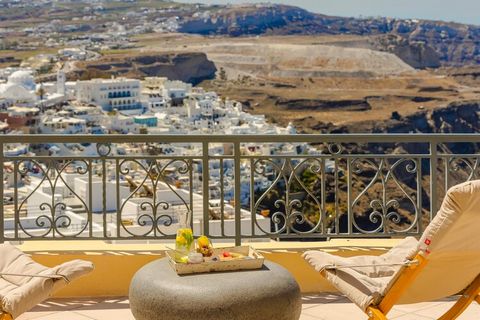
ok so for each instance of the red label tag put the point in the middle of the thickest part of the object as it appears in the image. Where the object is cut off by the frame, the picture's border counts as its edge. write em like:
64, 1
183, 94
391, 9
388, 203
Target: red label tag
427, 242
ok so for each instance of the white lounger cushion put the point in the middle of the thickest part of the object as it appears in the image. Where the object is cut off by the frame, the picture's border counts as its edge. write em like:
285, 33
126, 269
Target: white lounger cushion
367, 284
19, 294
451, 244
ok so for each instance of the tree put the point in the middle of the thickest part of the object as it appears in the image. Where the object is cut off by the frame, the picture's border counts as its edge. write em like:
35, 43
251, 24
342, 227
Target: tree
41, 92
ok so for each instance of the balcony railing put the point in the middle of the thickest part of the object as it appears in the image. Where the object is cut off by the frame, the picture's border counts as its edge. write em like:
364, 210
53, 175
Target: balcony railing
140, 187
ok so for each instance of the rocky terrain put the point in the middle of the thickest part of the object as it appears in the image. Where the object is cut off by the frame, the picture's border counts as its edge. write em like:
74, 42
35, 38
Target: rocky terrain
419, 42
321, 72
320, 83
456, 117
302, 60
187, 67
283, 58
467, 75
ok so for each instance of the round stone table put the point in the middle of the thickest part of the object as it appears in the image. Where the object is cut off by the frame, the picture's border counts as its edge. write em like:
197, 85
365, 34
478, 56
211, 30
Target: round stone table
270, 293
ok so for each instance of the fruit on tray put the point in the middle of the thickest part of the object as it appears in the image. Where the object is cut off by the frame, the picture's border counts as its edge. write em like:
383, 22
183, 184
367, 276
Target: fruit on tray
180, 259
227, 256
204, 246
195, 257
237, 255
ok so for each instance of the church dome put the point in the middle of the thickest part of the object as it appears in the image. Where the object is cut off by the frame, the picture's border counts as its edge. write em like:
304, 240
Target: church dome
22, 78
16, 92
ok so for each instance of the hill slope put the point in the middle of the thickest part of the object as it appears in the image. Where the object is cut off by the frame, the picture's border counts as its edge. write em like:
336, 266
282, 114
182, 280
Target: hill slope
415, 41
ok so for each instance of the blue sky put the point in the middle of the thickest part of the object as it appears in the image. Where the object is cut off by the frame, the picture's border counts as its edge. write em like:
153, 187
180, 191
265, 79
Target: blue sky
465, 11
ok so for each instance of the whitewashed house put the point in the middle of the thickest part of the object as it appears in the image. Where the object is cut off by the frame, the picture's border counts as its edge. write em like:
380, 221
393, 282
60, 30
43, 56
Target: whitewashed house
120, 93
53, 124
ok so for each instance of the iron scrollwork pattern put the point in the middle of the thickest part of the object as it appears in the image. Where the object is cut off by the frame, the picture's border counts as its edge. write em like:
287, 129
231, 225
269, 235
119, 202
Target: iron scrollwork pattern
52, 219
386, 194
387, 187
298, 208
460, 169
155, 214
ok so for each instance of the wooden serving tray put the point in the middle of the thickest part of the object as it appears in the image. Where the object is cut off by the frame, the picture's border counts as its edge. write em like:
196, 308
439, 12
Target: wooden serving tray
255, 262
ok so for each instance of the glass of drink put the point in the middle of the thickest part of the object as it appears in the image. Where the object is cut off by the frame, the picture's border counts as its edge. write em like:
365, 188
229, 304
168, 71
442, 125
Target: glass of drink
183, 243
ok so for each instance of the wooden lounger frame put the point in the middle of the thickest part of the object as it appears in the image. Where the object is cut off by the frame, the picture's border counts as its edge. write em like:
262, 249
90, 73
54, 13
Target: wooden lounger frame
5, 316
407, 277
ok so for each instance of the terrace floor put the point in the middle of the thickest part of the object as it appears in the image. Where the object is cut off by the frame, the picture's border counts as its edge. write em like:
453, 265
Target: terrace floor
315, 307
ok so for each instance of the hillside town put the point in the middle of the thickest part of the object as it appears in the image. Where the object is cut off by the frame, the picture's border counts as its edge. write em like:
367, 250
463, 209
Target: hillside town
154, 105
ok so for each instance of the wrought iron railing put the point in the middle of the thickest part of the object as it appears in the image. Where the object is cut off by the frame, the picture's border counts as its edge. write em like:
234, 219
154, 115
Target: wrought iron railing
141, 187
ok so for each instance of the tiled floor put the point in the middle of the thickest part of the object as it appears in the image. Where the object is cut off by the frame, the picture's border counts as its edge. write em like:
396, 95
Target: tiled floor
325, 307
334, 307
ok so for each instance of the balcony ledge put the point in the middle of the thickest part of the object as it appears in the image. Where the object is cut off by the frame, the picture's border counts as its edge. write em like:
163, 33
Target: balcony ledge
115, 264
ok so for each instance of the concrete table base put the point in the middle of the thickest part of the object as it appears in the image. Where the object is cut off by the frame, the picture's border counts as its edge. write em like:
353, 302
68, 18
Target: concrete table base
158, 293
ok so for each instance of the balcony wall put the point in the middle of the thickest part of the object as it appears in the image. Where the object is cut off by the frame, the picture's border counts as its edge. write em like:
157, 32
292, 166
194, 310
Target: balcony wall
115, 264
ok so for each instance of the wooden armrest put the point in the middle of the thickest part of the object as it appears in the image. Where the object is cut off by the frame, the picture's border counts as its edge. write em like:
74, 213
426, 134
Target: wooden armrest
5, 316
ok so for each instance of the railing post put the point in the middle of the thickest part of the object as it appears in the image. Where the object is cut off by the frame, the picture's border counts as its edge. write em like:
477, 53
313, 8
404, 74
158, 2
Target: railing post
205, 189
433, 178
349, 197
189, 219
2, 206
16, 212
238, 207
104, 196
419, 195
90, 198
117, 185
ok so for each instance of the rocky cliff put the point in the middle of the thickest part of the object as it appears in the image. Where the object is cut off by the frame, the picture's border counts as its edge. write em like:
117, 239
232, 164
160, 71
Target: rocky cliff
249, 20
187, 67
421, 43
417, 54
457, 117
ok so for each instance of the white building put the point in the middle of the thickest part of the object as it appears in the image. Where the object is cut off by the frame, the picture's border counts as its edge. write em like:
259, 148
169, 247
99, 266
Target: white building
154, 101
82, 189
154, 84
176, 91
61, 80
121, 94
20, 88
51, 124
73, 53
92, 115
120, 123
70, 90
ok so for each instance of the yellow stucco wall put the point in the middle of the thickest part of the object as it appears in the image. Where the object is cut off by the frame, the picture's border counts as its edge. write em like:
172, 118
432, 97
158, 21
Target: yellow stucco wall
115, 264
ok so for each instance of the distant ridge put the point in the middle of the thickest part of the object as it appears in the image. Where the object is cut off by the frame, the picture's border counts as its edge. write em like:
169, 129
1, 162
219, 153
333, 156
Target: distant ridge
430, 42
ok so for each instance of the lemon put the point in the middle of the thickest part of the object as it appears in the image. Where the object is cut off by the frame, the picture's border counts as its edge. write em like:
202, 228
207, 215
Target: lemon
183, 259
204, 247
203, 241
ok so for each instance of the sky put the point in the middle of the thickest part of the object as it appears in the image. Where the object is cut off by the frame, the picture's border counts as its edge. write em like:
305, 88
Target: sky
464, 11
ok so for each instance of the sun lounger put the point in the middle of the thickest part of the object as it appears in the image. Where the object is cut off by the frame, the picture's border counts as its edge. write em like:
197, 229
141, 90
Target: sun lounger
444, 262
25, 283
